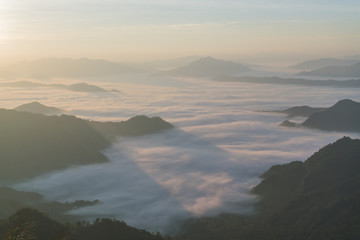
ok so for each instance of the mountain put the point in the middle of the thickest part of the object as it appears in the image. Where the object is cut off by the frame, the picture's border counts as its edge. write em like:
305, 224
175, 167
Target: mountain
323, 62
31, 224
166, 64
54, 67
343, 116
33, 144
335, 71
291, 81
135, 126
36, 107
315, 199
84, 87
301, 111
209, 67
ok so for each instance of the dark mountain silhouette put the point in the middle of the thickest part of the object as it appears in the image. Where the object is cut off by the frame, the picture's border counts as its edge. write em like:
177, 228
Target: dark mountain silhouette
301, 111
32, 144
135, 126
12, 201
292, 81
36, 107
315, 199
77, 87
343, 116
288, 123
53, 67
335, 71
323, 62
31, 224
209, 67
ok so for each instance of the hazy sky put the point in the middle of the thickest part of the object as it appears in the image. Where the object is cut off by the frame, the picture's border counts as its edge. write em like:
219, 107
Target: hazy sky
144, 29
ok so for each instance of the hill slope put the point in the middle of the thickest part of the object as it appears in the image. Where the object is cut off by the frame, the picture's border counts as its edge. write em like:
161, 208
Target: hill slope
31, 224
343, 116
32, 144
315, 199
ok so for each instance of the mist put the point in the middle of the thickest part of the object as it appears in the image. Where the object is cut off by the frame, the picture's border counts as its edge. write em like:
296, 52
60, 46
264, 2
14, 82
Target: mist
223, 141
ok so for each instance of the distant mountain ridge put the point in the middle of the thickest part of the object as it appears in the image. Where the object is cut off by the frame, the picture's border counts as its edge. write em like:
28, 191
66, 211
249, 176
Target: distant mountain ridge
324, 62
209, 67
76, 87
55, 67
335, 71
292, 81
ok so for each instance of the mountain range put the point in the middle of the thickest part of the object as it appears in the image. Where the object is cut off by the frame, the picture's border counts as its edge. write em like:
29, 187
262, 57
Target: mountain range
208, 67
324, 62
351, 71
292, 81
55, 67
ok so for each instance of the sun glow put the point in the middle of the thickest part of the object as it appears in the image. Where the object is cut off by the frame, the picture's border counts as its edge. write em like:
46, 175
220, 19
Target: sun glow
4, 12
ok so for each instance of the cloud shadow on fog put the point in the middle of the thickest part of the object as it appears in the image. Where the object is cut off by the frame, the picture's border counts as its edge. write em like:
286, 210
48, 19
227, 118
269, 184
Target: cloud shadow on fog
153, 182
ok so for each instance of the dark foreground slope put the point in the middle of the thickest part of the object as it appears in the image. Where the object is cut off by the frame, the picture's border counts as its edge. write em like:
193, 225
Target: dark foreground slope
12, 201
343, 116
315, 199
30, 224
32, 144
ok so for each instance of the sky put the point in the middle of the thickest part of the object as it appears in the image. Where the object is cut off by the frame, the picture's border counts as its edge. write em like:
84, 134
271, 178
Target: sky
140, 30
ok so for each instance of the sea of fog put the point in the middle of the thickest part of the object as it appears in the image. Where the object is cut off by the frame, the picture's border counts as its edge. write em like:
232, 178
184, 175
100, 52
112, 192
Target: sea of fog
223, 140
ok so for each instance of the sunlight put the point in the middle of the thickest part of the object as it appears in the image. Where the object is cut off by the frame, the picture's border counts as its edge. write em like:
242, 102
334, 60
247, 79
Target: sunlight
4, 11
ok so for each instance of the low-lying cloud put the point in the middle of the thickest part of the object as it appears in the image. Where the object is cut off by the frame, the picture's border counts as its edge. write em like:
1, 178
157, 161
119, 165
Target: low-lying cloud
206, 166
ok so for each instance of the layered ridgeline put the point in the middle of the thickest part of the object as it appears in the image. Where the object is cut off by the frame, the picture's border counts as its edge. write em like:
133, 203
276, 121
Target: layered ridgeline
33, 144
31, 224
324, 62
290, 81
55, 67
209, 67
336, 71
76, 87
315, 199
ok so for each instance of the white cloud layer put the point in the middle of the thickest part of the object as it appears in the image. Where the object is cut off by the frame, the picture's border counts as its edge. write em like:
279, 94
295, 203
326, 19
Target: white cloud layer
222, 143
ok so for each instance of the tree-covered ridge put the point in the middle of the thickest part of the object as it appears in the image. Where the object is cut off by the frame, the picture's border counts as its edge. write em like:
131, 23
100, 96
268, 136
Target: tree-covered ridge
33, 144
343, 116
315, 199
30, 224
12, 200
